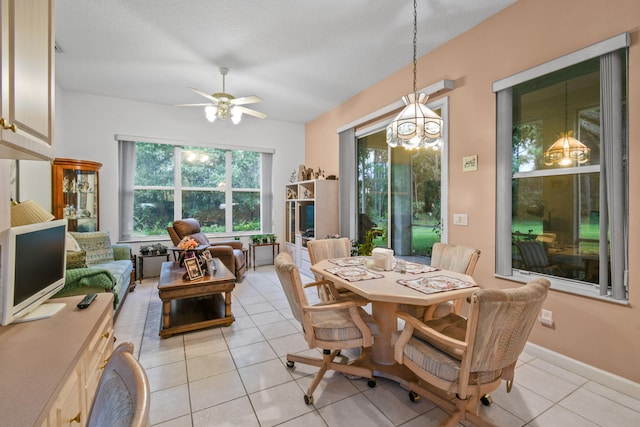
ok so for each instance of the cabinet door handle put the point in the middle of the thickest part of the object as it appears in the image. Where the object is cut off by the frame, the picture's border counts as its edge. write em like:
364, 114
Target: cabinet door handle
12, 127
76, 419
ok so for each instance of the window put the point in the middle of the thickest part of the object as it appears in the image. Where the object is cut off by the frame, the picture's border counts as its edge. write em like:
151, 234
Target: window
562, 172
220, 187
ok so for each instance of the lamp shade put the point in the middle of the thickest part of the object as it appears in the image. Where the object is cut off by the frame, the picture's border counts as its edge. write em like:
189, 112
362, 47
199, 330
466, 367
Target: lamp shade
566, 151
416, 125
29, 212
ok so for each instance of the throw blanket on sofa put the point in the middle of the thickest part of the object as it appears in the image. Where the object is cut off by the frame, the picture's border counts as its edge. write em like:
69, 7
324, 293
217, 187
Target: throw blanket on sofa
88, 277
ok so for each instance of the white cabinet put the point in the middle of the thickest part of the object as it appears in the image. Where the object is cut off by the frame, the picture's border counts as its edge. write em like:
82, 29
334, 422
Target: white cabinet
311, 213
27, 88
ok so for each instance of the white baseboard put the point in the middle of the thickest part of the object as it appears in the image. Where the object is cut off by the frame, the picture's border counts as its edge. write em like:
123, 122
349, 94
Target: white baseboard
605, 378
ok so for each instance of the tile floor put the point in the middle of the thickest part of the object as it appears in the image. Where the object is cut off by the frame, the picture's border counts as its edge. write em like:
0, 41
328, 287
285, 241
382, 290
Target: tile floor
236, 376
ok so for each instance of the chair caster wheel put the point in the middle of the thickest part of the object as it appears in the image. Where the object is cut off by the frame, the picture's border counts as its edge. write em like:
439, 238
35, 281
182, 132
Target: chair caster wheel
326, 351
371, 383
290, 364
413, 396
486, 400
308, 399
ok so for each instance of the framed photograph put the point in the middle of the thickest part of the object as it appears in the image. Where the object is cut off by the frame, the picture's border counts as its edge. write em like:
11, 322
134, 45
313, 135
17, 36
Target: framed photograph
193, 268
206, 255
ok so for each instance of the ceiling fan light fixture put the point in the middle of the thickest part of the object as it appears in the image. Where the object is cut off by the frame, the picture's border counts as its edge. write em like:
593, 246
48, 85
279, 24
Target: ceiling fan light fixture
211, 113
236, 115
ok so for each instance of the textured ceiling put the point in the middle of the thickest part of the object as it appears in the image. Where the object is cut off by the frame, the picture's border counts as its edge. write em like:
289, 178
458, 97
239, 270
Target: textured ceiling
301, 57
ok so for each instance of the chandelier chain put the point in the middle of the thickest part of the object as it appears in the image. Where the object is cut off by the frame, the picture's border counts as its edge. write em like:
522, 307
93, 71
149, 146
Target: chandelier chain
415, 41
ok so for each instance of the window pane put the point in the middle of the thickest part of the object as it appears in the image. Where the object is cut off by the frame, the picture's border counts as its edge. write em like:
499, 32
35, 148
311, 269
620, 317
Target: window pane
372, 187
245, 169
152, 212
203, 167
425, 186
559, 217
154, 164
246, 211
554, 106
207, 207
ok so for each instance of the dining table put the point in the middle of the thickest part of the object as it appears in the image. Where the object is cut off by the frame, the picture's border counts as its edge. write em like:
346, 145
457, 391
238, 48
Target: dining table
417, 284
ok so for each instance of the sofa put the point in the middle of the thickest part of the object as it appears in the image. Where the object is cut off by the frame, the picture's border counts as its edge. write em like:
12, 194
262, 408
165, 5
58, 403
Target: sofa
96, 265
229, 252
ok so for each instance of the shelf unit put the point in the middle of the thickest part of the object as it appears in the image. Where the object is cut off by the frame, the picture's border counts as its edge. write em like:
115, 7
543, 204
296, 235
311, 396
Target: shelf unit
311, 212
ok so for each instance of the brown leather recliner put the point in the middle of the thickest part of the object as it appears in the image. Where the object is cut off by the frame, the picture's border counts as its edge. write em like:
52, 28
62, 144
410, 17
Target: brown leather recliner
229, 252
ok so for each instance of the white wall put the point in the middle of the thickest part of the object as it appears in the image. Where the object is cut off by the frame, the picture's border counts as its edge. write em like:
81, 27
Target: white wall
87, 124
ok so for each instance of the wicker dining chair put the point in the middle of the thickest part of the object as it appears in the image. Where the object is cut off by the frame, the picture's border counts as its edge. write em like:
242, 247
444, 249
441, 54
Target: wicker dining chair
322, 249
330, 326
458, 360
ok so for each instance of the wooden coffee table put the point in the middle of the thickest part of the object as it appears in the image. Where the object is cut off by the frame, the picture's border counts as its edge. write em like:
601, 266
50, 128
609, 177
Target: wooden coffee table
188, 305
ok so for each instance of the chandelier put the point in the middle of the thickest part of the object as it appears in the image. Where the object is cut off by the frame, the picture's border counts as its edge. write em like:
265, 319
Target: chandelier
416, 125
566, 150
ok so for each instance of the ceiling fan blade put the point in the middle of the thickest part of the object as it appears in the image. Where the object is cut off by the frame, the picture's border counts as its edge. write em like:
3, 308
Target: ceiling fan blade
204, 104
206, 95
251, 112
246, 100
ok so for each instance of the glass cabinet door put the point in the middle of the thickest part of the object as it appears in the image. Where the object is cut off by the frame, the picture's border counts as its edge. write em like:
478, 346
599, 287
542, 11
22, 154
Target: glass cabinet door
75, 193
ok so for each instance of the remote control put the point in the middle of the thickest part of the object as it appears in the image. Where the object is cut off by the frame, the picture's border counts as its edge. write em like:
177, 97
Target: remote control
86, 301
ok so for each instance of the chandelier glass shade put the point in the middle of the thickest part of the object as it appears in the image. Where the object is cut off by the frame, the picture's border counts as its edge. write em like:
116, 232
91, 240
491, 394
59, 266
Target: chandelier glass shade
566, 151
417, 125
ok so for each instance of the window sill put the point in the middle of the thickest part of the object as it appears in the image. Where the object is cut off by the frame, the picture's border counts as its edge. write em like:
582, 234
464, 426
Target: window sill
563, 285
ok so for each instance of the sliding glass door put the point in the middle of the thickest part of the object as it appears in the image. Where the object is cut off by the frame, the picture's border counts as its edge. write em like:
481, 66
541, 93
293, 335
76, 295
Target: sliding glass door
400, 195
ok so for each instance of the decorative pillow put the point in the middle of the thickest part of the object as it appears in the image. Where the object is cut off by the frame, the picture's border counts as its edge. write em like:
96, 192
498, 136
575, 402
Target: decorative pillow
96, 244
72, 244
76, 259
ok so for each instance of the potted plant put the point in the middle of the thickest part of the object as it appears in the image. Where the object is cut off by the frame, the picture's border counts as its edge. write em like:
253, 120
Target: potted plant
255, 238
160, 248
265, 238
145, 250
272, 238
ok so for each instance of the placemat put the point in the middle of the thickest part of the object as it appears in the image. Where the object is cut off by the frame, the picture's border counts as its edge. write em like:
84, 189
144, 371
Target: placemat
430, 285
353, 274
417, 268
346, 262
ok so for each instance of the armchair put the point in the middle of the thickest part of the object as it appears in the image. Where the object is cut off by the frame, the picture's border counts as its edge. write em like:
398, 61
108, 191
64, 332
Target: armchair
458, 360
229, 252
331, 326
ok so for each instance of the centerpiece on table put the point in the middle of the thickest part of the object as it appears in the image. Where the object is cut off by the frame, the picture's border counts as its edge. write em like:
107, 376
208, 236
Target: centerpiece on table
187, 248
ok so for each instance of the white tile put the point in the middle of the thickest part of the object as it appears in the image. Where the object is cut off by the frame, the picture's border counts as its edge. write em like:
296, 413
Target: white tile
212, 391
264, 375
312, 419
394, 401
266, 318
184, 421
332, 388
521, 402
600, 410
280, 403
354, 411
614, 395
289, 344
209, 365
237, 412
252, 354
548, 385
204, 345
243, 337
169, 403
165, 376
557, 416
279, 329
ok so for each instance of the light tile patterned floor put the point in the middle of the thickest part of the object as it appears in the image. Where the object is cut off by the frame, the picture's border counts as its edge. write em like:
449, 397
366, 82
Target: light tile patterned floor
236, 376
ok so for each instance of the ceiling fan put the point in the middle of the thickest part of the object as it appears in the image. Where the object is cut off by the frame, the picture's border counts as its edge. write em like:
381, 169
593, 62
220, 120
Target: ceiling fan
222, 105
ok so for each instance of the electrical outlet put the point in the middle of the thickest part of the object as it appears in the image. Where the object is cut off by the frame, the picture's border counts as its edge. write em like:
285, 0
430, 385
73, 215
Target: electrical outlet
546, 318
460, 219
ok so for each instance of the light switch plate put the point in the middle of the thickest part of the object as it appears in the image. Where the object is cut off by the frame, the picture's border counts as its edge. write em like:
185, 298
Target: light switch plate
460, 219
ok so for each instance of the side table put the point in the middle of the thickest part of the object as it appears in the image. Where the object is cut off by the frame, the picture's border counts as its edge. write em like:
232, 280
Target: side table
142, 257
252, 251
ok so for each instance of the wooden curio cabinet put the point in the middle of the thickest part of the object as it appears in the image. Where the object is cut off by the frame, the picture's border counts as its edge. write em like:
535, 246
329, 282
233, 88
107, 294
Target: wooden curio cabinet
75, 193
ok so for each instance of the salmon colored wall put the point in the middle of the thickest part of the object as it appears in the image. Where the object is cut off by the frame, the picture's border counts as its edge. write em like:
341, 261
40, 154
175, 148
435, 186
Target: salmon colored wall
601, 334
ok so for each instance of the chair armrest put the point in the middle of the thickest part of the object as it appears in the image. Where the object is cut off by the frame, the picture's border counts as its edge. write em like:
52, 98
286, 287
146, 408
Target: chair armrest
121, 251
438, 339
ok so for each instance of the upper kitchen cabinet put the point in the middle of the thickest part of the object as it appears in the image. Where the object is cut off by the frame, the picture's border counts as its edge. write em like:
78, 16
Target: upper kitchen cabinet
27, 91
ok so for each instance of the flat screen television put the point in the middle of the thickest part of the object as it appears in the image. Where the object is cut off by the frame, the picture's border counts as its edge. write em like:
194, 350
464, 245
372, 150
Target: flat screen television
33, 270
306, 220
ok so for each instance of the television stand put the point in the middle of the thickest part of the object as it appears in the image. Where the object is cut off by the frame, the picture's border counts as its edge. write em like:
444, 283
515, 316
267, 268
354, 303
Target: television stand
42, 312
